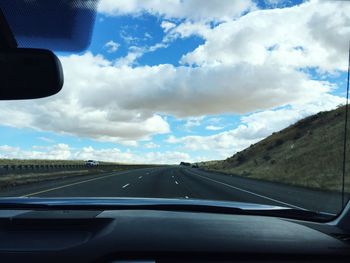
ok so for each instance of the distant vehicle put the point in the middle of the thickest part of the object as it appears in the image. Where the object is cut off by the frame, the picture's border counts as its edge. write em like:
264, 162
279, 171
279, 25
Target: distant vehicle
185, 164
91, 163
194, 165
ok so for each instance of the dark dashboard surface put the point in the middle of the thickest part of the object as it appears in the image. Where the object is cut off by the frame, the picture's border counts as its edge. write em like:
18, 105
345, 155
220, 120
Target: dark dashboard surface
162, 236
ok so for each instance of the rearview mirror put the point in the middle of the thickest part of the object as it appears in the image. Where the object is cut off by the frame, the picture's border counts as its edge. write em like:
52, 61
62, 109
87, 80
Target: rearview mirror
27, 73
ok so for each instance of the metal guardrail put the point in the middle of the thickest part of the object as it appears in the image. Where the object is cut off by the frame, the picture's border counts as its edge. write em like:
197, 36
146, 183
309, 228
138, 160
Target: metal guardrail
41, 168
32, 168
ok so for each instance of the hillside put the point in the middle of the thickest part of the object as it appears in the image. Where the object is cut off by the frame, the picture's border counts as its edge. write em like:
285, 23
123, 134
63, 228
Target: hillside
308, 153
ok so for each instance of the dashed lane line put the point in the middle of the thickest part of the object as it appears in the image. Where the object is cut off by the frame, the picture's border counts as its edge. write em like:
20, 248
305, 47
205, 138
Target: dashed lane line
125, 186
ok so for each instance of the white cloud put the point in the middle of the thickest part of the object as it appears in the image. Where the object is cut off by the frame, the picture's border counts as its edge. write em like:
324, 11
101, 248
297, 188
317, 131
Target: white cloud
128, 38
65, 152
148, 35
187, 29
168, 157
136, 52
274, 3
56, 152
111, 46
108, 154
45, 139
313, 34
213, 128
166, 25
151, 145
88, 106
189, 9
193, 122
122, 103
255, 127
186, 92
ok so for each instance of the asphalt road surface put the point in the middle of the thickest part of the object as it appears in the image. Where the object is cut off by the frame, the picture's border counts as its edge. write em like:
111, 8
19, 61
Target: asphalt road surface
181, 182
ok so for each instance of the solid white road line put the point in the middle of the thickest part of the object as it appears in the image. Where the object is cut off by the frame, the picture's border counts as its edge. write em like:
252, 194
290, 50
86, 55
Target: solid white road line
176, 182
72, 184
249, 192
125, 186
140, 177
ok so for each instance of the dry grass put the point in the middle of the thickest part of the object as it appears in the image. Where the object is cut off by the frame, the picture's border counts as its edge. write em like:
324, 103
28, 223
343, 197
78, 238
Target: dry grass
11, 180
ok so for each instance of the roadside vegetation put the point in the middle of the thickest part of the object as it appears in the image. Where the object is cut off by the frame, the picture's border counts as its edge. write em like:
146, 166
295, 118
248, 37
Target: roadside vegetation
308, 153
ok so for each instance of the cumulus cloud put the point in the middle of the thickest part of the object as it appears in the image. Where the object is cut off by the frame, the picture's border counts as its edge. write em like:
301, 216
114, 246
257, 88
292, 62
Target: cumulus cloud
246, 64
193, 122
111, 103
87, 106
111, 46
189, 9
65, 152
151, 145
56, 152
313, 34
214, 128
254, 127
166, 25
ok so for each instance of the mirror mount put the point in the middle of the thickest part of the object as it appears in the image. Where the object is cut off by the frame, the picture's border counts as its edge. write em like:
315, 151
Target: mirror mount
26, 73
7, 39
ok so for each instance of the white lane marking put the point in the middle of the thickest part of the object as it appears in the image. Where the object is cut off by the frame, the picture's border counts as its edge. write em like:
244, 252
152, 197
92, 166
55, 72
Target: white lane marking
176, 182
249, 192
72, 184
172, 176
147, 173
140, 177
125, 186
186, 196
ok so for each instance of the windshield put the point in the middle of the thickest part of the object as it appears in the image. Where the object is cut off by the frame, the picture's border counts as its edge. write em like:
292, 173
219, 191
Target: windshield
240, 101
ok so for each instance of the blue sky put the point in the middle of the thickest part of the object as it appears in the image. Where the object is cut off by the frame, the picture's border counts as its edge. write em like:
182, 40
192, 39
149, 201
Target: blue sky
164, 83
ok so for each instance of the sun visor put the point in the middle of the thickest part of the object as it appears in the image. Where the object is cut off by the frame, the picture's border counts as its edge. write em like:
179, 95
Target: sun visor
59, 25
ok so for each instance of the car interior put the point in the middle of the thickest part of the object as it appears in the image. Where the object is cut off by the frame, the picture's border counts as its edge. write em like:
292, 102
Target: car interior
132, 229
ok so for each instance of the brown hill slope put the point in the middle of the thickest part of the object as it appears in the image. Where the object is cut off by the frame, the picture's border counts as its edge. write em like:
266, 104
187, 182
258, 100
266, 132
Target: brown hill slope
308, 153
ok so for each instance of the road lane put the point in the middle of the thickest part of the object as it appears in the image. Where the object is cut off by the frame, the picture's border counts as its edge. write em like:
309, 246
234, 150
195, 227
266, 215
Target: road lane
292, 196
48, 186
179, 182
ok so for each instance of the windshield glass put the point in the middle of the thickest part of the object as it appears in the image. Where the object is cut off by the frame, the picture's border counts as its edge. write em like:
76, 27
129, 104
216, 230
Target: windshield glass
239, 101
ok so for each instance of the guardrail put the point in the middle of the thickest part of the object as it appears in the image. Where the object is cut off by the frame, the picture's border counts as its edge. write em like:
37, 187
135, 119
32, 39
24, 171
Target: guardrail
42, 168
32, 168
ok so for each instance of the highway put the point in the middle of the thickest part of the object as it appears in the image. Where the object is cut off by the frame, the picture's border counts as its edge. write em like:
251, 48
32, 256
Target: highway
181, 182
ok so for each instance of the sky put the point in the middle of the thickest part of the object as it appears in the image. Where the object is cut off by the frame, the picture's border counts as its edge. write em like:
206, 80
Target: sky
170, 81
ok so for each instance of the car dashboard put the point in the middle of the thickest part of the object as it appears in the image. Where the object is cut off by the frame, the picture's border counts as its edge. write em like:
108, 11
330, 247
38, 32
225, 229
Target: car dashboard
164, 236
